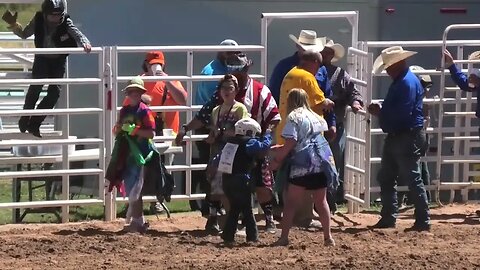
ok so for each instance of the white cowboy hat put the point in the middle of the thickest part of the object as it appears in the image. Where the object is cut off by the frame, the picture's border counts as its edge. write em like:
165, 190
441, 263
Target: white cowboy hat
389, 57
308, 41
425, 78
338, 49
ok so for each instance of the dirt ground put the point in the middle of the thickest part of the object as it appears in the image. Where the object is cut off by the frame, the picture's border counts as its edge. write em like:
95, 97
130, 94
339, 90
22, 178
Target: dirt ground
179, 243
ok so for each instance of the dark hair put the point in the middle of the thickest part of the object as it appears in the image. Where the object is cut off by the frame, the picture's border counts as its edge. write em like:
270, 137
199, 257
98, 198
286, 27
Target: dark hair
144, 66
228, 78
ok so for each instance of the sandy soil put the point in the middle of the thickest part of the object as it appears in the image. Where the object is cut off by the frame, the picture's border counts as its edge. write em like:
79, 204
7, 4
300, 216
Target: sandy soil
180, 243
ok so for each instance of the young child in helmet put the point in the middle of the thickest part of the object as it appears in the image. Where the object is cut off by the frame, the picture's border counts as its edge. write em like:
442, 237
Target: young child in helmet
237, 160
52, 28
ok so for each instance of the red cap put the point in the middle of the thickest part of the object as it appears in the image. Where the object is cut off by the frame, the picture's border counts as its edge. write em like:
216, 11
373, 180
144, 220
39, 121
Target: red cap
155, 57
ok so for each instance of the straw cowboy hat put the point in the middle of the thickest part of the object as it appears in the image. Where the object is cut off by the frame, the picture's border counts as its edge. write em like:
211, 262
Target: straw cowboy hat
425, 78
308, 41
338, 49
390, 56
134, 84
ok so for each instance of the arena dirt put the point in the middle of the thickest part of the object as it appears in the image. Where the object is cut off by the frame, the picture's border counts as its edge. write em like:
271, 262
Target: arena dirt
180, 243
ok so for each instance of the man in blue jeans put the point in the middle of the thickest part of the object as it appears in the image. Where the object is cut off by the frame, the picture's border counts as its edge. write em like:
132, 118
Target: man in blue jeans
401, 117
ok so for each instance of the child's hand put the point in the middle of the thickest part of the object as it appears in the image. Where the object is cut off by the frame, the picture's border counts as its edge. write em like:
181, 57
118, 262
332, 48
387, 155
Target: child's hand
10, 18
87, 48
210, 139
129, 128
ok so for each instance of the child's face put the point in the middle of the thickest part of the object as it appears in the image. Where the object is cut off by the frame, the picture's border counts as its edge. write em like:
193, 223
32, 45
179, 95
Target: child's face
228, 91
135, 96
54, 18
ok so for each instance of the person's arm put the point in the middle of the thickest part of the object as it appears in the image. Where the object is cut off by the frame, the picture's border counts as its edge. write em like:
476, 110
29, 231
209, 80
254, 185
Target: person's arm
354, 95
206, 111
21, 32
276, 81
256, 146
459, 78
78, 36
177, 91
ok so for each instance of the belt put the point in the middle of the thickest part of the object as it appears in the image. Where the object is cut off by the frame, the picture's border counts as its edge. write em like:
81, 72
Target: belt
405, 131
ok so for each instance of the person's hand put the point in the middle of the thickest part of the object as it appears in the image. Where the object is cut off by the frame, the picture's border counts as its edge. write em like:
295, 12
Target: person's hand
328, 104
374, 108
356, 106
448, 58
87, 48
129, 128
331, 133
9, 17
210, 139
179, 139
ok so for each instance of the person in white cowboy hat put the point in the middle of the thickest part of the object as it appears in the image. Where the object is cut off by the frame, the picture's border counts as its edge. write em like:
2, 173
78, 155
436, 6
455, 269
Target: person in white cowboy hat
344, 94
401, 117
427, 83
307, 40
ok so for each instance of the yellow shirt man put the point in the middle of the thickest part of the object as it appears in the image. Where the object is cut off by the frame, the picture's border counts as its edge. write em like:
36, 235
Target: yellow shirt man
298, 78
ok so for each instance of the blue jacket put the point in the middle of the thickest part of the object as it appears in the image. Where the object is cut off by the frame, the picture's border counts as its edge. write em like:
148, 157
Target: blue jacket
284, 66
462, 81
402, 108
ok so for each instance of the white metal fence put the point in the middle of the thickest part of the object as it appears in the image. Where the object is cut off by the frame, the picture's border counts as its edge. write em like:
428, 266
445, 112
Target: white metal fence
359, 133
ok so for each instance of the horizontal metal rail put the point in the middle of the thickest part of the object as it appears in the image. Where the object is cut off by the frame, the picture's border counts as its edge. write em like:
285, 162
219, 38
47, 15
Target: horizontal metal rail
74, 111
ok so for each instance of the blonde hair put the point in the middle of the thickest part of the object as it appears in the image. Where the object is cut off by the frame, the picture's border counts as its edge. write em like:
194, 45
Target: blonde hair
297, 98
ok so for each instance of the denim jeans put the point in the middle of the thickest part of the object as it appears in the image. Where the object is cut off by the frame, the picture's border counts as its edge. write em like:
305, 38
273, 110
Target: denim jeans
401, 161
338, 150
44, 68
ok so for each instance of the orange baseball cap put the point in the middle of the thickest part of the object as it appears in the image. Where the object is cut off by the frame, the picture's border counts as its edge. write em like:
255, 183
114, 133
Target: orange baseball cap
155, 57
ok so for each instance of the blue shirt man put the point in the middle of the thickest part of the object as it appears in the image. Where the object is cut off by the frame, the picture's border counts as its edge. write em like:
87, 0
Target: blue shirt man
218, 66
401, 116
402, 109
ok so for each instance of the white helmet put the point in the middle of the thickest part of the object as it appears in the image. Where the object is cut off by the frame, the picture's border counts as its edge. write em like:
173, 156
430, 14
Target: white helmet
243, 126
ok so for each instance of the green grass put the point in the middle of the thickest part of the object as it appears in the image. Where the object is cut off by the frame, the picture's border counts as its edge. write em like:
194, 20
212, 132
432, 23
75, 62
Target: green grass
77, 213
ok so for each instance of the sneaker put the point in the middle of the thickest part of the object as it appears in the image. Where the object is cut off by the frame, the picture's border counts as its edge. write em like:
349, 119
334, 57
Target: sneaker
212, 226
382, 224
156, 208
329, 242
419, 227
137, 228
270, 227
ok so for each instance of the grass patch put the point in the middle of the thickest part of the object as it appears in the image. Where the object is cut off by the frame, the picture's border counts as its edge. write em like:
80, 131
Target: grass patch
77, 213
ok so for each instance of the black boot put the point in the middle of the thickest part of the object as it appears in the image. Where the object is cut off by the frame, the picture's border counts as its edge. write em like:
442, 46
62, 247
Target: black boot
212, 226
23, 123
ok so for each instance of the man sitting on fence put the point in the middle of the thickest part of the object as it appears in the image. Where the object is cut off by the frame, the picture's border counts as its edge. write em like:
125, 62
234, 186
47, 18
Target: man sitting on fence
53, 28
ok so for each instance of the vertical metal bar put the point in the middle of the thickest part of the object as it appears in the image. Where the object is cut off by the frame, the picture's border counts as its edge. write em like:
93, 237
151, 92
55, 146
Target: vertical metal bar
102, 68
113, 195
108, 109
65, 157
264, 41
368, 135
188, 148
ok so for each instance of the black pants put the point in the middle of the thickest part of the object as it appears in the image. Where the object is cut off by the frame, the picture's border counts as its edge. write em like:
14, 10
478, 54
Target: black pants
44, 68
238, 190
